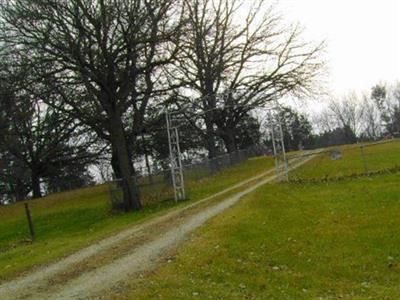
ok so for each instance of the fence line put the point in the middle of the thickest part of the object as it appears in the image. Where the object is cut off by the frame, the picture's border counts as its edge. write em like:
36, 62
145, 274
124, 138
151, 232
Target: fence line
160, 182
348, 160
333, 164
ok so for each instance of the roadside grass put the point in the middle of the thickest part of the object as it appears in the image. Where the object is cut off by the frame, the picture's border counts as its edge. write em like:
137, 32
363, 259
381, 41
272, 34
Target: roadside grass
337, 240
68, 221
355, 160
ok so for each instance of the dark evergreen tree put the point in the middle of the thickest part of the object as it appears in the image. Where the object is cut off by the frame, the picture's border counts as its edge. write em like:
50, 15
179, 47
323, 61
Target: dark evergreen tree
297, 129
337, 136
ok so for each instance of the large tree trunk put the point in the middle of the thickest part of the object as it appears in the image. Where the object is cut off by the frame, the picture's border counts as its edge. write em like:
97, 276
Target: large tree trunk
149, 175
35, 181
210, 137
230, 144
19, 194
146, 159
211, 146
229, 140
124, 167
115, 164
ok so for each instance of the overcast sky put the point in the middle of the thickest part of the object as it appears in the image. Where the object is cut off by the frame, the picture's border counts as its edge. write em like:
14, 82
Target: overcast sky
363, 38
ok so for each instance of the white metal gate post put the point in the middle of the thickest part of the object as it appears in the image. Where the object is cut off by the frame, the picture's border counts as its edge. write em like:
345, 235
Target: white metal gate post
175, 159
282, 138
278, 144
271, 122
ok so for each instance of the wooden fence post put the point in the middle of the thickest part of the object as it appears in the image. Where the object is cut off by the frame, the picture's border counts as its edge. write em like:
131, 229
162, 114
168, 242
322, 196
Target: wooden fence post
30, 223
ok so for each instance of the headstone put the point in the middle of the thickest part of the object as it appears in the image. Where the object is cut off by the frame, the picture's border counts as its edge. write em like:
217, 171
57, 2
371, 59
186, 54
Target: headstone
335, 154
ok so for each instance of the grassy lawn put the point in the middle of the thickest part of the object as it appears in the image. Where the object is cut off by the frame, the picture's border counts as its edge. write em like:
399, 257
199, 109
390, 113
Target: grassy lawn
290, 241
372, 157
68, 221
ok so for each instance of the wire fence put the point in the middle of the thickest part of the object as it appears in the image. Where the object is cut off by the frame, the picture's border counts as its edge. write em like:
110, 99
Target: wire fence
347, 161
20, 223
157, 186
328, 164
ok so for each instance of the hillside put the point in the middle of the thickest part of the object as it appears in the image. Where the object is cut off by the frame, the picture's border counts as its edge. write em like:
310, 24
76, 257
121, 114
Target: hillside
315, 241
68, 221
331, 232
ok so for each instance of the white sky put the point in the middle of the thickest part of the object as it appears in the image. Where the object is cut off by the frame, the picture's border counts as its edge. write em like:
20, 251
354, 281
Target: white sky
363, 39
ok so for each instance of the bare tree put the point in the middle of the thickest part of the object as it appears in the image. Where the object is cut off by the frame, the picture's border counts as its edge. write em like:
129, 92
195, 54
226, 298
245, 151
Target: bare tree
250, 59
323, 121
347, 112
103, 57
371, 119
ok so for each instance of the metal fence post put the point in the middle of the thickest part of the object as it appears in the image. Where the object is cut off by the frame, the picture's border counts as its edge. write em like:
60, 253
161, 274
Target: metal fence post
278, 143
175, 159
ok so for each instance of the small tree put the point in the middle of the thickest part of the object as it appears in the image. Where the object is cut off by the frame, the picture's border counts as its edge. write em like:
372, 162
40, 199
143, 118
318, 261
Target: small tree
297, 129
371, 120
388, 102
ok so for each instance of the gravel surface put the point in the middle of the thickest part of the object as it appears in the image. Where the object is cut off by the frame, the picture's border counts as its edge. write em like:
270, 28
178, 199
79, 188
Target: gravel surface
143, 257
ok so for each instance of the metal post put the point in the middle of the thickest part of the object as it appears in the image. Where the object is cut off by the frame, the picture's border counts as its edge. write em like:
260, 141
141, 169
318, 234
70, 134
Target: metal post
278, 144
181, 185
171, 155
273, 144
283, 145
175, 159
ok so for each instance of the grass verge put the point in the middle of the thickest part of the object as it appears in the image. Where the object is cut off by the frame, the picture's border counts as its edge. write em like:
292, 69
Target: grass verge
66, 222
334, 240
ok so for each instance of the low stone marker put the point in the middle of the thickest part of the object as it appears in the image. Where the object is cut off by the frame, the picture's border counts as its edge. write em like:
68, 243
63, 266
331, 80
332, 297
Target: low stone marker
335, 154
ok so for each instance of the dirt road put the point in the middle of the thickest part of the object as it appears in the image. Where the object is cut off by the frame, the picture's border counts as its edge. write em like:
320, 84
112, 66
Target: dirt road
90, 272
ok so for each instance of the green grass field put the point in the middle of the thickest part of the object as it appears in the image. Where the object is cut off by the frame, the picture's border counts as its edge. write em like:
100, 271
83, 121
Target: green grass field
290, 241
68, 221
328, 240
355, 160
